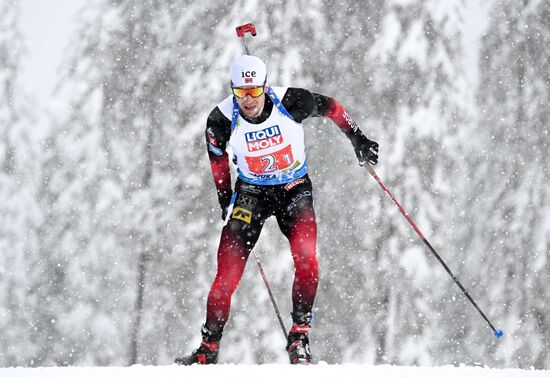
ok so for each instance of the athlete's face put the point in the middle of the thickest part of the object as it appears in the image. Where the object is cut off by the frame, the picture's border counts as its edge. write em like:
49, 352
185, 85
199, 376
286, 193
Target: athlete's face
251, 106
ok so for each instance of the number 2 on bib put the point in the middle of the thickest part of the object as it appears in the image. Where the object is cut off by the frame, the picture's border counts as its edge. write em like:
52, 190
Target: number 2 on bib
272, 162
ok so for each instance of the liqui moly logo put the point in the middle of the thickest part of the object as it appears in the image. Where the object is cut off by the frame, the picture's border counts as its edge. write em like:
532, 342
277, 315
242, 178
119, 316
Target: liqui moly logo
263, 139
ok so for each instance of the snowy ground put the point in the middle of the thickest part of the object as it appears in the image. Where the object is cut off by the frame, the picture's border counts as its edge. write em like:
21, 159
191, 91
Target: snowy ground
229, 370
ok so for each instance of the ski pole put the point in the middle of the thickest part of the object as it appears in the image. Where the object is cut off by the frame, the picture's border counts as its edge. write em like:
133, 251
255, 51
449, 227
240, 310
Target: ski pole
497, 332
277, 312
241, 32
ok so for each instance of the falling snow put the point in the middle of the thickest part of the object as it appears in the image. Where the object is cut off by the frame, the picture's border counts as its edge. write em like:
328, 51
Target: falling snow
109, 222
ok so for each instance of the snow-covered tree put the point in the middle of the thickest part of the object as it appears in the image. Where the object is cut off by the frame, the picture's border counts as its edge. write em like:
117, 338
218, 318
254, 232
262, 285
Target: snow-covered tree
510, 191
409, 94
19, 214
127, 217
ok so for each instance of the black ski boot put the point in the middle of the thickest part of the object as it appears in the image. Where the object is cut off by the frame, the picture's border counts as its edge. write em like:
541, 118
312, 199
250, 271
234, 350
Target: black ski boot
298, 339
207, 353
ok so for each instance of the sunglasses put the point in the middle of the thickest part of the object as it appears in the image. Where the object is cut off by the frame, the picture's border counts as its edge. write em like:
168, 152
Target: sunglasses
253, 92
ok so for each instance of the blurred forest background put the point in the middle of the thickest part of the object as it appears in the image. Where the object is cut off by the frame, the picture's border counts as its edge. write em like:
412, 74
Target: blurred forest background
109, 222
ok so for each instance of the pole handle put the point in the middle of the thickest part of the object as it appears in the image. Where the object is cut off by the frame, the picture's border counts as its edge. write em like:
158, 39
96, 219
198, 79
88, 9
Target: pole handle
370, 169
246, 28
241, 32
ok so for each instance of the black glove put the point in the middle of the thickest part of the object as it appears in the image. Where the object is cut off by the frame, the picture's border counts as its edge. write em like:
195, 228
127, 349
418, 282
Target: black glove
224, 198
366, 150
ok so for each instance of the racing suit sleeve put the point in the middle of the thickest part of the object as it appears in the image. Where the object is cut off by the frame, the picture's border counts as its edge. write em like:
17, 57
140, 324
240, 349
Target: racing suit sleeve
302, 104
217, 135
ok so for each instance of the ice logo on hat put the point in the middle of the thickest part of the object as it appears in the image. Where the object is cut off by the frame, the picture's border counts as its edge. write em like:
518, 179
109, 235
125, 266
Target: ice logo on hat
248, 71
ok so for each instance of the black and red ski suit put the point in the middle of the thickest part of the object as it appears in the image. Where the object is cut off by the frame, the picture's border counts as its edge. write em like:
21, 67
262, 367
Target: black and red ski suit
290, 203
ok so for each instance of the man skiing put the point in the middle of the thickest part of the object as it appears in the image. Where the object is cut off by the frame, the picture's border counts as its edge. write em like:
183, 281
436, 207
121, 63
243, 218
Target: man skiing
262, 124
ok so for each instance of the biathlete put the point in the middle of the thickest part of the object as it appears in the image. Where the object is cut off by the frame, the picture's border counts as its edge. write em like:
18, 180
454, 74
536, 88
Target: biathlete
262, 125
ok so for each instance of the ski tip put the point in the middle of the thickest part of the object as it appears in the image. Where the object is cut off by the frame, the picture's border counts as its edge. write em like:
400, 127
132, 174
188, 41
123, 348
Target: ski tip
499, 333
